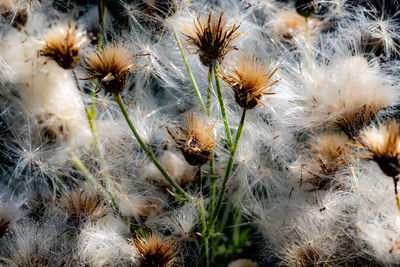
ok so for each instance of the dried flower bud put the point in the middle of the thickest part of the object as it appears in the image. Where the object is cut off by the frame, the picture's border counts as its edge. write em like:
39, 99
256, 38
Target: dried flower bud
82, 205
384, 144
196, 142
62, 44
306, 7
211, 38
155, 251
250, 80
111, 66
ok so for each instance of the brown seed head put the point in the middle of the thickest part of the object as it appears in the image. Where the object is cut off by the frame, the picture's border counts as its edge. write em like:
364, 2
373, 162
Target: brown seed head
250, 80
384, 146
111, 66
196, 142
62, 44
16, 11
82, 205
211, 38
329, 155
155, 251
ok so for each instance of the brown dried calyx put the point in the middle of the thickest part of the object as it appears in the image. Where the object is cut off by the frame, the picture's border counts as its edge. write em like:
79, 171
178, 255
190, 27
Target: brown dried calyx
211, 38
63, 43
155, 251
250, 80
196, 142
111, 66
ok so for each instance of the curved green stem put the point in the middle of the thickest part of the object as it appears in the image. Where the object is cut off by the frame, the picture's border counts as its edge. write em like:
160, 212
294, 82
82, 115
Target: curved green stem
209, 90
118, 99
196, 89
221, 103
228, 171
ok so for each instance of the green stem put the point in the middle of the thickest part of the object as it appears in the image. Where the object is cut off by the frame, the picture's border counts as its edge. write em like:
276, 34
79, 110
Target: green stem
204, 231
91, 115
88, 176
209, 90
228, 171
196, 89
213, 184
221, 103
101, 7
118, 99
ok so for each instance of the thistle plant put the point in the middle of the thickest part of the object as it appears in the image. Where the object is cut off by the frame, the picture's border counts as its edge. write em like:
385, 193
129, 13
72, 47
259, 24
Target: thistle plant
264, 138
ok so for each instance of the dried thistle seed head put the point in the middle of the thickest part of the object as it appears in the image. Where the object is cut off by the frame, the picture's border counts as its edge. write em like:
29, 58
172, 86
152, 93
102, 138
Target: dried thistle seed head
111, 66
330, 154
289, 25
155, 251
15, 11
82, 205
53, 128
250, 80
62, 44
197, 141
211, 38
384, 145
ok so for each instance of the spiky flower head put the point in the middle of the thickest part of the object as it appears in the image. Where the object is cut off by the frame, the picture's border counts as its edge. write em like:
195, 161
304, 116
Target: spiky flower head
211, 37
155, 251
250, 80
111, 66
16, 11
384, 145
62, 44
330, 154
82, 205
196, 141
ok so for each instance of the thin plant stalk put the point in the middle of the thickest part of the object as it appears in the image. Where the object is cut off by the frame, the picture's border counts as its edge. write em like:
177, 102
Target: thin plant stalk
228, 170
101, 7
204, 230
221, 104
119, 101
88, 176
91, 115
209, 90
196, 89
396, 180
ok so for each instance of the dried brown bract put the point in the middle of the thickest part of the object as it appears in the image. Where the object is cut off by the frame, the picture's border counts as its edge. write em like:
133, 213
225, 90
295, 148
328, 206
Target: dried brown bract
211, 38
63, 43
197, 141
53, 129
82, 205
155, 251
384, 145
16, 11
111, 66
329, 155
250, 80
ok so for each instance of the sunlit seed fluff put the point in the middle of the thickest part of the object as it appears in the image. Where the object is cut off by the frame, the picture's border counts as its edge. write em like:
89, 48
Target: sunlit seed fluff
111, 66
62, 44
156, 251
211, 37
384, 145
196, 141
288, 24
330, 154
16, 11
346, 95
82, 205
250, 80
